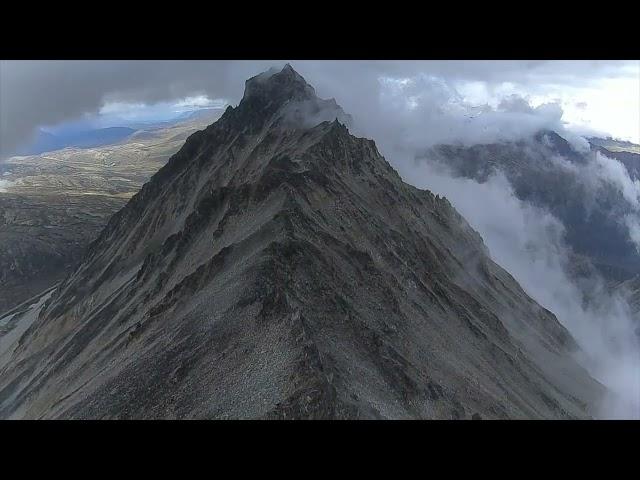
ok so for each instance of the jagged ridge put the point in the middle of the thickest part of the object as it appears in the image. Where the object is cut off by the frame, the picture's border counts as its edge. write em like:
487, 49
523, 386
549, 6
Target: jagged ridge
277, 269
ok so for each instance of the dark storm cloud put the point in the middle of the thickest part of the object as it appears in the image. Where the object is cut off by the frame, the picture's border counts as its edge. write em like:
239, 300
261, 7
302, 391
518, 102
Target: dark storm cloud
35, 93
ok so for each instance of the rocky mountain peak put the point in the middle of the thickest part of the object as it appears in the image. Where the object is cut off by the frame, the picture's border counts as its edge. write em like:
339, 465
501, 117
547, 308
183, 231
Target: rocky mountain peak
278, 86
284, 98
278, 267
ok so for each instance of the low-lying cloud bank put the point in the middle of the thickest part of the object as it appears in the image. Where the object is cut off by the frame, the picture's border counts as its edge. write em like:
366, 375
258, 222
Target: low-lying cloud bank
602, 174
423, 112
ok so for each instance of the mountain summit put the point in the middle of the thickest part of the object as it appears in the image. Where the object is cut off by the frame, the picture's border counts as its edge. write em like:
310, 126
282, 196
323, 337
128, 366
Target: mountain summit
285, 100
278, 87
278, 267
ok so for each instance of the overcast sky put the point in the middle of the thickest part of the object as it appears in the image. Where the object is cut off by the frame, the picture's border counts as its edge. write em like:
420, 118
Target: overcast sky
434, 98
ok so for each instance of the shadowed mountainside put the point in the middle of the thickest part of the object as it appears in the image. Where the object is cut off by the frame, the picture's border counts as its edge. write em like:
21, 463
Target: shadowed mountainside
278, 267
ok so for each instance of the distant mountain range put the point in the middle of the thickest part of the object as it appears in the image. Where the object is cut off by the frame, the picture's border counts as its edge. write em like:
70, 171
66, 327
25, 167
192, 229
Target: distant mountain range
548, 172
625, 152
49, 142
615, 145
83, 136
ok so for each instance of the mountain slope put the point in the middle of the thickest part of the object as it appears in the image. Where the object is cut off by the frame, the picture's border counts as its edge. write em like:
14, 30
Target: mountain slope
53, 205
42, 238
626, 153
277, 267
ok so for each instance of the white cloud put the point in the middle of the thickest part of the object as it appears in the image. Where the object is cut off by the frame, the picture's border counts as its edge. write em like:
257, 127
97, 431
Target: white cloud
610, 88
417, 112
633, 225
611, 171
112, 112
612, 106
200, 101
600, 173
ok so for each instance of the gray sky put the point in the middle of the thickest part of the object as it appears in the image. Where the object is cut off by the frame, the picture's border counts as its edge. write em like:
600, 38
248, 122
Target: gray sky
600, 95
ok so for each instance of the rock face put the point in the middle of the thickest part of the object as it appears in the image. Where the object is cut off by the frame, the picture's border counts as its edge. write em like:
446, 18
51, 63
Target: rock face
626, 153
274, 268
42, 238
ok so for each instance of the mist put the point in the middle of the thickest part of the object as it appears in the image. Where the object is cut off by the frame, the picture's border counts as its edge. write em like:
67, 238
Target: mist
4, 185
525, 240
601, 175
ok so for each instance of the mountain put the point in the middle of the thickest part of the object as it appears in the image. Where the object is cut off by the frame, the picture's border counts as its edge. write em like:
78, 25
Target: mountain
43, 237
613, 145
626, 153
278, 267
548, 172
53, 205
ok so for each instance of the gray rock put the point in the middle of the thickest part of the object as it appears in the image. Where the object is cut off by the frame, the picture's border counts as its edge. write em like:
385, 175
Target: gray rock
278, 270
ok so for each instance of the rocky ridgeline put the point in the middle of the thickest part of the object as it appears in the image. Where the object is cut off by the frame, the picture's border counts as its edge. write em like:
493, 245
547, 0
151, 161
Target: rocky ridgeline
278, 267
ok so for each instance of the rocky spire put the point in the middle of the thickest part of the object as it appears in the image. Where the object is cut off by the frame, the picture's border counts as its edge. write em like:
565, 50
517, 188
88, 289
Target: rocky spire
284, 94
278, 87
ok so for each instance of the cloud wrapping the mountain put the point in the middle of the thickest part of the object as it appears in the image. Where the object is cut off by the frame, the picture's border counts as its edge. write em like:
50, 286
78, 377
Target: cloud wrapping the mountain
527, 242
421, 112
612, 172
602, 173
37, 93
